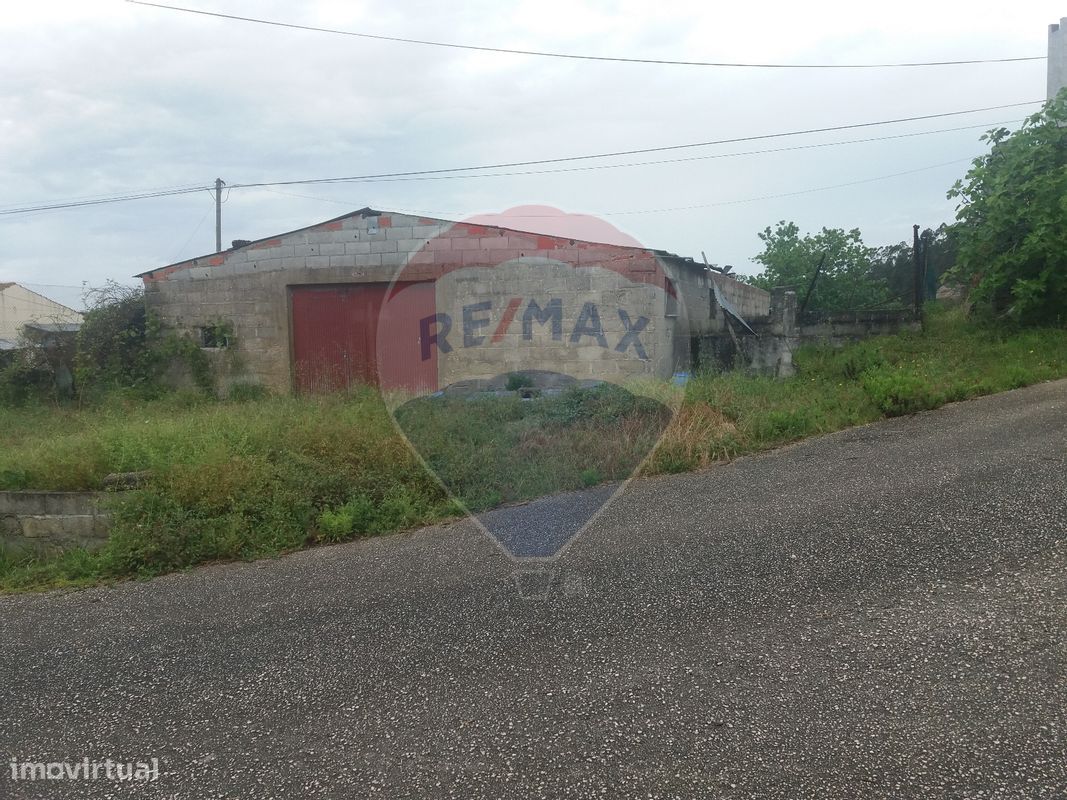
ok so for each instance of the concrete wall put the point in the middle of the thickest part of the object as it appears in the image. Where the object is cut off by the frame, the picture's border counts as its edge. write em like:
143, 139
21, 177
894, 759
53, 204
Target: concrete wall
248, 287
1057, 57
51, 522
574, 304
770, 351
20, 306
703, 314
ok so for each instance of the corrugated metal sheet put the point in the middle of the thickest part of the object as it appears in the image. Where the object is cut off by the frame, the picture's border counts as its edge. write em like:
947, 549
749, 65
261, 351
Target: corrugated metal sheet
728, 307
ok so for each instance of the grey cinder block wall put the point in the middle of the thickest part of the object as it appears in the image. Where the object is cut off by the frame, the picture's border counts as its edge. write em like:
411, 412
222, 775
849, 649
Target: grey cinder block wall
512, 299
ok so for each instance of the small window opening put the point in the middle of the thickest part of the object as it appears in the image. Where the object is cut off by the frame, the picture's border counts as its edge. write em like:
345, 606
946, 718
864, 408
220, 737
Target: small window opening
215, 337
671, 293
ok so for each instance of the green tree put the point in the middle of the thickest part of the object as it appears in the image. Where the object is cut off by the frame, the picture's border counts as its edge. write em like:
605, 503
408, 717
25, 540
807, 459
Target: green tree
895, 265
1013, 221
847, 280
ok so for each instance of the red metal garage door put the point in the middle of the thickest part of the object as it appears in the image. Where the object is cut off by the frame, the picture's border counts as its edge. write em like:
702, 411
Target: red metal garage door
336, 341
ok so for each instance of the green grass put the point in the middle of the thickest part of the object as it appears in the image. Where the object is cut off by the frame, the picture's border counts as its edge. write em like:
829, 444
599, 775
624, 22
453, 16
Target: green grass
260, 476
951, 359
511, 450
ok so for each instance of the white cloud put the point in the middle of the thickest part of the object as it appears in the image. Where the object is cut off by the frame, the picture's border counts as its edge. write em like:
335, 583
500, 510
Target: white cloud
109, 97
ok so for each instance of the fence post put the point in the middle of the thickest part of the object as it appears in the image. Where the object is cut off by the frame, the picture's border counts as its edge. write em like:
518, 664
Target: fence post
916, 259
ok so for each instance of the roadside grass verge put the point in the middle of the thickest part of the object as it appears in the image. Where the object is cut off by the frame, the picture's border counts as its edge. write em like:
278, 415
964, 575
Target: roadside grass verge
724, 416
239, 480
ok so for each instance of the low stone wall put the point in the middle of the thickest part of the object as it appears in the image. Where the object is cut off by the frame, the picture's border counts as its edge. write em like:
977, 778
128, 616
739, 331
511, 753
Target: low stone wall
770, 351
51, 522
839, 328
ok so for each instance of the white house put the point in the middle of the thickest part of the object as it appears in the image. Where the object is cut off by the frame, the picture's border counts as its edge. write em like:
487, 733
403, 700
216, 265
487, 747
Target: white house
20, 307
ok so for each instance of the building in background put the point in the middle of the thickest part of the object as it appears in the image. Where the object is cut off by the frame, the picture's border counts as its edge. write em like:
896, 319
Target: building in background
19, 307
1057, 57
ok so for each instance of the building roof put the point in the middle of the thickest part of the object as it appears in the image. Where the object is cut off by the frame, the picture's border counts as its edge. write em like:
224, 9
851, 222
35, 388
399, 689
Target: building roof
370, 212
9, 284
54, 327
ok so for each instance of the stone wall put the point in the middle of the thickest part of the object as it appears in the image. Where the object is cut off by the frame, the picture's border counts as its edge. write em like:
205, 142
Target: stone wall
51, 522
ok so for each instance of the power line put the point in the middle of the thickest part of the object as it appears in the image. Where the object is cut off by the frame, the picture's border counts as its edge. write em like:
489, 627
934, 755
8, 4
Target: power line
102, 201
789, 194
812, 190
576, 56
103, 196
686, 159
508, 165
51, 285
640, 151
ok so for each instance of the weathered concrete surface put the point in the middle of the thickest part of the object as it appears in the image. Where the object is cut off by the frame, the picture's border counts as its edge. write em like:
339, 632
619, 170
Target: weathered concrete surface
248, 288
50, 522
880, 613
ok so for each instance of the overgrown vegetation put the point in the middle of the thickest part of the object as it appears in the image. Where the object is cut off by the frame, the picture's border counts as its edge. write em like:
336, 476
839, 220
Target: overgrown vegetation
1013, 221
493, 450
120, 348
258, 476
846, 279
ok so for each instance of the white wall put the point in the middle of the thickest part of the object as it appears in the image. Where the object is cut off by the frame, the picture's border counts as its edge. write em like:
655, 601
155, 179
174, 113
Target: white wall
1057, 57
19, 306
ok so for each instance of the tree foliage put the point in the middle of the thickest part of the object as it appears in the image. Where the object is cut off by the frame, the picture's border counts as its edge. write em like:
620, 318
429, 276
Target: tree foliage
895, 265
1013, 220
847, 280
113, 343
123, 346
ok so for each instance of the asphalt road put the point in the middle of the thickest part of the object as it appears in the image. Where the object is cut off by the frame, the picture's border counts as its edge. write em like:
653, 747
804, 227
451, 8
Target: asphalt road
879, 613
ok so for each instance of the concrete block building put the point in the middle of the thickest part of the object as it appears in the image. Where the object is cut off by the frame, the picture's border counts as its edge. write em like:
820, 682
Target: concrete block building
418, 304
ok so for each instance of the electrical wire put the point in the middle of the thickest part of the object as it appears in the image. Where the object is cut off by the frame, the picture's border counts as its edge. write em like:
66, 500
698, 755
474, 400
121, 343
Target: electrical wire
686, 159
461, 214
101, 201
577, 56
790, 194
507, 165
638, 151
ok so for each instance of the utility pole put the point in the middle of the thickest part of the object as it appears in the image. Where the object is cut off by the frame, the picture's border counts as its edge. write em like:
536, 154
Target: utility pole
219, 182
916, 257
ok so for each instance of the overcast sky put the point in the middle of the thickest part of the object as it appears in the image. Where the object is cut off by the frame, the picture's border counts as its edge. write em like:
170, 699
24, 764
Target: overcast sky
102, 97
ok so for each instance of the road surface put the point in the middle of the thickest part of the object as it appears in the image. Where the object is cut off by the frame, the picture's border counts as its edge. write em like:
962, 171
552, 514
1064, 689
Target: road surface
878, 613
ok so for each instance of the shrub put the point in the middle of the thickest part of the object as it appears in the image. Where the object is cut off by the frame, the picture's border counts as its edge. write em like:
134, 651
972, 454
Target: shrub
590, 477
22, 381
897, 391
244, 392
122, 347
355, 516
518, 380
1013, 241
113, 343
